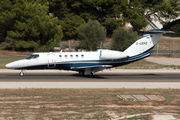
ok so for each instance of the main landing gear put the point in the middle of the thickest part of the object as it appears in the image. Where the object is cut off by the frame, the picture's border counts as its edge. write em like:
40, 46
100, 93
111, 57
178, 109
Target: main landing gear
87, 72
21, 73
91, 74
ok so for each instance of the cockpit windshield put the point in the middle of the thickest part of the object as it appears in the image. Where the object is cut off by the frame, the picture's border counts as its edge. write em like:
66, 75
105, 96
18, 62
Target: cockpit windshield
33, 56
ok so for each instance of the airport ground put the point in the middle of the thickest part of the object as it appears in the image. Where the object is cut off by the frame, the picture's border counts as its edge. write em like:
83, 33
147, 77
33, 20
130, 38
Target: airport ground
55, 95
115, 78
66, 95
88, 104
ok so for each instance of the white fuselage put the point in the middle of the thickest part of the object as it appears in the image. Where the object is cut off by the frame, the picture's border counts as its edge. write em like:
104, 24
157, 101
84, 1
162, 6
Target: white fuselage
67, 60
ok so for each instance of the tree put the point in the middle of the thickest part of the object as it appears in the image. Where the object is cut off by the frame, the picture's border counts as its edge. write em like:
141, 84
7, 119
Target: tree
106, 12
59, 8
70, 25
91, 34
162, 9
112, 24
123, 38
27, 26
139, 11
173, 26
137, 21
6, 18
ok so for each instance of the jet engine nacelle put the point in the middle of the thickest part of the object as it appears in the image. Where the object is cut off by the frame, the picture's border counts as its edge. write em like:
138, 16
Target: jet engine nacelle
111, 54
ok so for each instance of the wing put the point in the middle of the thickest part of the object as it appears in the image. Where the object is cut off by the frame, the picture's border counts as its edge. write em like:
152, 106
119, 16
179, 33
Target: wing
94, 68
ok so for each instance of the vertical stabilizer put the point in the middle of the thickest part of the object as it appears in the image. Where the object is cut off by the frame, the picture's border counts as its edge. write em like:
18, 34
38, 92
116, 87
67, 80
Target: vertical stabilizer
146, 43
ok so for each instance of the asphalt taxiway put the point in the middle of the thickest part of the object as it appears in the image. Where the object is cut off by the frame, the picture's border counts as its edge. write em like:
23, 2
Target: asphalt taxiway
107, 79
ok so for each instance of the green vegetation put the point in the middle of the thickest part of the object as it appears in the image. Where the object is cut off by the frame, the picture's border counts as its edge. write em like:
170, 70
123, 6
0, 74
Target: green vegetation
27, 26
84, 103
35, 25
99, 10
123, 38
111, 25
139, 11
91, 34
70, 25
173, 26
116, 12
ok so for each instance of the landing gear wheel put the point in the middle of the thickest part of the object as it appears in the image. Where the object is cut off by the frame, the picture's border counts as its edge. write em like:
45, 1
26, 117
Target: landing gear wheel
21, 74
91, 74
81, 72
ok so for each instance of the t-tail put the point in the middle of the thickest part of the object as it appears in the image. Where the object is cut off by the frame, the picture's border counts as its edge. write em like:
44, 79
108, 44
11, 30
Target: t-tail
143, 46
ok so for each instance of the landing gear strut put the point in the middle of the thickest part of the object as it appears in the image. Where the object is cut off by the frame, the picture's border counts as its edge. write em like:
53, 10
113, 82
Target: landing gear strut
21, 73
91, 74
86, 72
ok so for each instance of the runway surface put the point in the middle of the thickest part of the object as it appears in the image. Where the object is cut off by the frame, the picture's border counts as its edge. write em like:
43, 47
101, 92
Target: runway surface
106, 79
44, 76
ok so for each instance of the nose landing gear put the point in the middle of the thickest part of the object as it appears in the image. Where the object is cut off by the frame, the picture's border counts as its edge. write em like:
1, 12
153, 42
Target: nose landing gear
21, 73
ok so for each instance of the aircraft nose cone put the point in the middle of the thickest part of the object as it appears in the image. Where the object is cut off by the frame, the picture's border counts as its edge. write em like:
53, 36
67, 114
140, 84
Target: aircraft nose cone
12, 65
8, 65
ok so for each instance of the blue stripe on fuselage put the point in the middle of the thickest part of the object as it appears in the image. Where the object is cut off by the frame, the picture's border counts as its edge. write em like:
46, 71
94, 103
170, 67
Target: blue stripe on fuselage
68, 65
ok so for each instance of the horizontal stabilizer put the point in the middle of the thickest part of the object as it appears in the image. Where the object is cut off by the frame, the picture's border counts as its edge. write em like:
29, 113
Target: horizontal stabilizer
158, 31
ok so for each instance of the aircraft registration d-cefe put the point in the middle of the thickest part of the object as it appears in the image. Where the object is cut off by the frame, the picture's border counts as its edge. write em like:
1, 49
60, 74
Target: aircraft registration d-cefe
87, 63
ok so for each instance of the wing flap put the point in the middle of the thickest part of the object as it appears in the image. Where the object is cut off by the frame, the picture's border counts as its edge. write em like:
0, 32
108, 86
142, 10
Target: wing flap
93, 66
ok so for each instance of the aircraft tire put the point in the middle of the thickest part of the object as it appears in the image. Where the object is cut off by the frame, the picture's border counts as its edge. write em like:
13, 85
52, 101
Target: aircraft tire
81, 72
91, 74
21, 74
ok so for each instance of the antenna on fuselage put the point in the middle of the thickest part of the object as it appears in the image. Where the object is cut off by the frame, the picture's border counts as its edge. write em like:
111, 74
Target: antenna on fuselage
61, 50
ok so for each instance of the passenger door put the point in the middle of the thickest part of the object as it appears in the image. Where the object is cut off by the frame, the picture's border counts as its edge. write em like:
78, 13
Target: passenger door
51, 60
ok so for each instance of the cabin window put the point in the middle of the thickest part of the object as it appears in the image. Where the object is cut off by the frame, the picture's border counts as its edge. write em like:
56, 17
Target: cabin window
60, 56
82, 56
71, 56
76, 56
65, 56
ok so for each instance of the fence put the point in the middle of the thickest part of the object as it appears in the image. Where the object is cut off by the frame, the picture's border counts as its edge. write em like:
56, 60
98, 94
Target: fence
71, 45
167, 46
67, 45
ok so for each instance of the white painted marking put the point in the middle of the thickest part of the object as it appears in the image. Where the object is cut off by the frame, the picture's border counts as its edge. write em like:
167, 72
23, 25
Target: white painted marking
145, 85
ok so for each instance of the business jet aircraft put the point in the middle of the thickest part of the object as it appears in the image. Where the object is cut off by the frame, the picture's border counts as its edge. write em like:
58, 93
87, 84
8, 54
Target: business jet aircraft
87, 63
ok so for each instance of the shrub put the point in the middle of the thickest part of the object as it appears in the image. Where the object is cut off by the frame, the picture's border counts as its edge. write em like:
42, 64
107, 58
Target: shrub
123, 38
173, 26
91, 34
